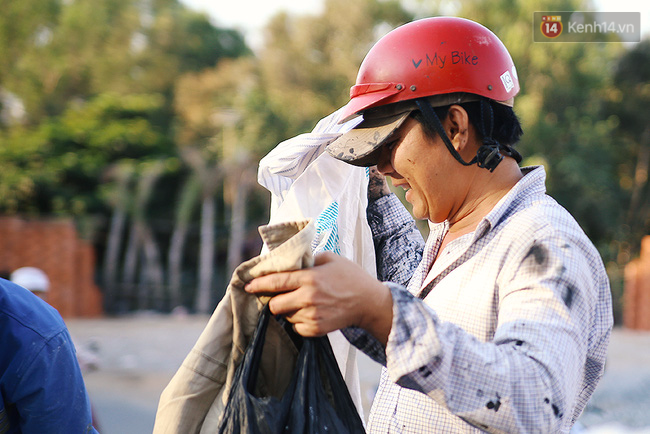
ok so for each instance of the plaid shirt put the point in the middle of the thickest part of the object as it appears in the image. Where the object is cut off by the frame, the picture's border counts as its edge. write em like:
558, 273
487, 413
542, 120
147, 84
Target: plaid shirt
506, 332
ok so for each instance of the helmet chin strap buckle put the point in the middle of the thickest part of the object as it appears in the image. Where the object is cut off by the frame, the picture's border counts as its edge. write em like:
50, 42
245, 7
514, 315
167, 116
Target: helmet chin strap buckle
488, 156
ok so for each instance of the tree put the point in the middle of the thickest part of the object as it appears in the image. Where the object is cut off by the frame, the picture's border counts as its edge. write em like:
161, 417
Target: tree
57, 167
209, 174
97, 82
627, 100
185, 206
208, 134
307, 64
238, 110
58, 52
240, 178
23, 167
24, 27
118, 197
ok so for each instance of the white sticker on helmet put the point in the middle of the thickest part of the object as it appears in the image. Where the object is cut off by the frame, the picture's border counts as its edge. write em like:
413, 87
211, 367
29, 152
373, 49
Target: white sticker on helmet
506, 79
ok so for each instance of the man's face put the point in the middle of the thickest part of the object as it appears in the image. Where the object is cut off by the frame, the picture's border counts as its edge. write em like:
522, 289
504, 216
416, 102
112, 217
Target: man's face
424, 168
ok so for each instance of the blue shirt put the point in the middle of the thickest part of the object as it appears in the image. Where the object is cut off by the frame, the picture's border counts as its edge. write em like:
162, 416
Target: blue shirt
41, 387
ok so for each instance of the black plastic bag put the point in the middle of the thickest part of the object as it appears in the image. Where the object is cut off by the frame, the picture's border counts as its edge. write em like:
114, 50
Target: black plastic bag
316, 401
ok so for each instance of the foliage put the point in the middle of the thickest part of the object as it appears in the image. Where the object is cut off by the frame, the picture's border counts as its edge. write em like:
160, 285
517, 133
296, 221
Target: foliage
63, 51
122, 94
308, 64
627, 100
64, 157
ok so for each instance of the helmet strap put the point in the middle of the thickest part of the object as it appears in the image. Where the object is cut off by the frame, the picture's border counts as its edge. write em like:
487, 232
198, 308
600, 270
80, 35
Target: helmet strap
489, 154
431, 118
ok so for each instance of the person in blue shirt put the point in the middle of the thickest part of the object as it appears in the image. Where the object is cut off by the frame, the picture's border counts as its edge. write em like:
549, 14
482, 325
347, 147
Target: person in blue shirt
41, 386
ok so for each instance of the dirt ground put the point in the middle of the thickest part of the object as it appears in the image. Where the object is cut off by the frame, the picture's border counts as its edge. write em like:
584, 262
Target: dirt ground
129, 360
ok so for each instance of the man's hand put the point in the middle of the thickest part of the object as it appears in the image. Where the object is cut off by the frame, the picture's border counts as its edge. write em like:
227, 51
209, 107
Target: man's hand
334, 294
377, 185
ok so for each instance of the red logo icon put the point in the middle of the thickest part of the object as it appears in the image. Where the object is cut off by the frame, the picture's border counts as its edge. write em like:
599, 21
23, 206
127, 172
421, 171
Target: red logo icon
551, 26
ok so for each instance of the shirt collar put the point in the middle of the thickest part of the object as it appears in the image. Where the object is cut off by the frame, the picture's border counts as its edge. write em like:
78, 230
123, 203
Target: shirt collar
533, 183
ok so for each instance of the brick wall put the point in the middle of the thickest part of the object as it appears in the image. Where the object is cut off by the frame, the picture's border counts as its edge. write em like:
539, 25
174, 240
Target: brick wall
636, 298
55, 247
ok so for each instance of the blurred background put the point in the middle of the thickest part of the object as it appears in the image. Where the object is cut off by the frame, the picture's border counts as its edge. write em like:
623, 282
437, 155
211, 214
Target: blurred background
130, 132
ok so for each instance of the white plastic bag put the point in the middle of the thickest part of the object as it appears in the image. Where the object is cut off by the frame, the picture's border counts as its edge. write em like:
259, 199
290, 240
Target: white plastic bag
306, 182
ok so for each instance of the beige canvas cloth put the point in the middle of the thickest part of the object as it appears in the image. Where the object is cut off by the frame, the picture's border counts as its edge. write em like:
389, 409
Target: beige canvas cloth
194, 399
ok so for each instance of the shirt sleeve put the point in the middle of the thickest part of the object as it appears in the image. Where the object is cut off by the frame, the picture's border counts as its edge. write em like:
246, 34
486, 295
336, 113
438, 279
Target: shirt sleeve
398, 242
527, 377
398, 248
51, 396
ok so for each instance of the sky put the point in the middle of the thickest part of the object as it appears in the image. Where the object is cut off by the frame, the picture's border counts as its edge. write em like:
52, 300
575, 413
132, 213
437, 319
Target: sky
250, 16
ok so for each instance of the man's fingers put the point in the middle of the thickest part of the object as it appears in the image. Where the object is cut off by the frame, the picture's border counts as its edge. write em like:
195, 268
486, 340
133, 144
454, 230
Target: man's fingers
287, 281
284, 304
303, 318
273, 283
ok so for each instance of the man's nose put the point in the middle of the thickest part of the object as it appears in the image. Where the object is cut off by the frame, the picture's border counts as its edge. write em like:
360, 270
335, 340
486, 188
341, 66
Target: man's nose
384, 165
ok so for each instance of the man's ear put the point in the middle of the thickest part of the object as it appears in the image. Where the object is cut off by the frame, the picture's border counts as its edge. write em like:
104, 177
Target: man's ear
460, 131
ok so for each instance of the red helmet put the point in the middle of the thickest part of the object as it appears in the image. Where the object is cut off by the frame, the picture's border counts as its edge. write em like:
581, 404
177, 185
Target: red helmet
434, 56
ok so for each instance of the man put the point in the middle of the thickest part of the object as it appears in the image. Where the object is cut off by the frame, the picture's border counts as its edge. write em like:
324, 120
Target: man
505, 322
41, 387
32, 278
